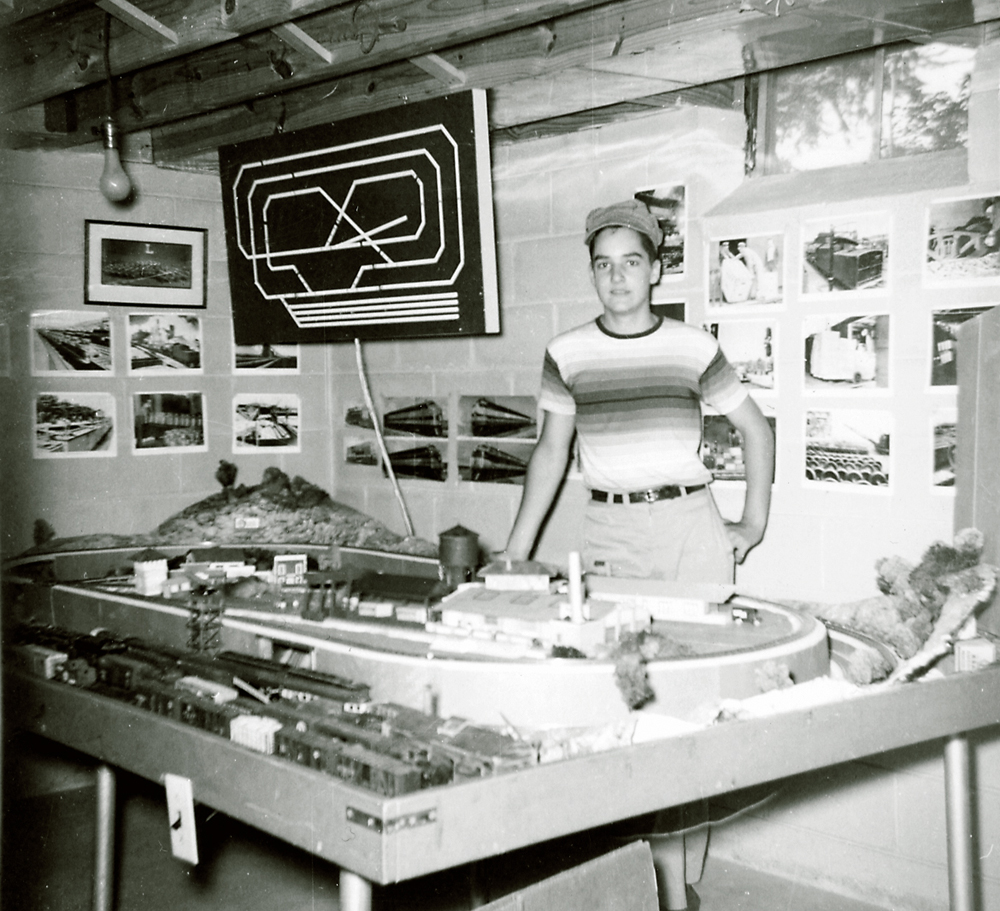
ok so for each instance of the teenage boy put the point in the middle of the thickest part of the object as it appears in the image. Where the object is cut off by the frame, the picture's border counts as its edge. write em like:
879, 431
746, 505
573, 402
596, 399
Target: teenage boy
630, 385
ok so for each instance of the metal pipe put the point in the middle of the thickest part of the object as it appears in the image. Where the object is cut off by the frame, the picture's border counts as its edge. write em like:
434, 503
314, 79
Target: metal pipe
959, 822
355, 892
104, 853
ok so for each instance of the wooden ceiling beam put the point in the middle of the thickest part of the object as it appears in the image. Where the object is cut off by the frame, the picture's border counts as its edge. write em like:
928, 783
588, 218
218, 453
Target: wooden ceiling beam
136, 19
539, 72
12, 11
51, 54
358, 36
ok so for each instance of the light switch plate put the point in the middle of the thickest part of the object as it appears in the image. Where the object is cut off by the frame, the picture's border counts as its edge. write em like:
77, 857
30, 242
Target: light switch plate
180, 815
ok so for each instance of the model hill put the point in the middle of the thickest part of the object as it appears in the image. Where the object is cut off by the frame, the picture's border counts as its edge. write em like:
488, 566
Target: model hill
279, 510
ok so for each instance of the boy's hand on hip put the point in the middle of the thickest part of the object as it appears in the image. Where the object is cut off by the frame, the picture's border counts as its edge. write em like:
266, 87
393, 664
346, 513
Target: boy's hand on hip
744, 537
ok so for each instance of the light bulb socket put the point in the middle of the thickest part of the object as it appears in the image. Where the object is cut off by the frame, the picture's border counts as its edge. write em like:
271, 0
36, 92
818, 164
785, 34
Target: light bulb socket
110, 133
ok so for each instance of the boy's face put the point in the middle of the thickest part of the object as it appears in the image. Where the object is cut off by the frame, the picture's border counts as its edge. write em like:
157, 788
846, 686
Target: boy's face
622, 271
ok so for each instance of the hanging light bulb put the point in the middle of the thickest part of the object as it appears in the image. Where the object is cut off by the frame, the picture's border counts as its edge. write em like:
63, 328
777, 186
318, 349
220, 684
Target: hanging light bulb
114, 183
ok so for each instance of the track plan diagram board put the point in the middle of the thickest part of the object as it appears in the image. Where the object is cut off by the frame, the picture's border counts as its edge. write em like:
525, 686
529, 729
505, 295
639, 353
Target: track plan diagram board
379, 226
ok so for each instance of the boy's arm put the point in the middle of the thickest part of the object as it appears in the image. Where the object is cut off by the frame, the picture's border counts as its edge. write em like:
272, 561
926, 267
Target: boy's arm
758, 455
545, 472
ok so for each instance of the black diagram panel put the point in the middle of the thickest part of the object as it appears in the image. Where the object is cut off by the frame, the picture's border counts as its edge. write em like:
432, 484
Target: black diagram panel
373, 227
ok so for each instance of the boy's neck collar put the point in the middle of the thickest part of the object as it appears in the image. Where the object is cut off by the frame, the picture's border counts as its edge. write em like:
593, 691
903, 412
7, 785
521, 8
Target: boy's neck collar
657, 322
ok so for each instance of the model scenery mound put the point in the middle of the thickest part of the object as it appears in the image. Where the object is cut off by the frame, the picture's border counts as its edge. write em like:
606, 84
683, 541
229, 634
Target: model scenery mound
279, 510
921, 608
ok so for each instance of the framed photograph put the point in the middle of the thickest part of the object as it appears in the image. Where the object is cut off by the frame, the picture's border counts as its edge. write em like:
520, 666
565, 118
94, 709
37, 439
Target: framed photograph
74, 425
166, 343
848, 449
145, 265
746, 271
751, 347
266, 358
846, 255
172, 421
944, 340
963, 241
846, 353
944, 433
669, 207
71, 341
266, 421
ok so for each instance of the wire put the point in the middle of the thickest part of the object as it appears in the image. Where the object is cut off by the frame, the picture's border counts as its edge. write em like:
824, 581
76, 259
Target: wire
370, 405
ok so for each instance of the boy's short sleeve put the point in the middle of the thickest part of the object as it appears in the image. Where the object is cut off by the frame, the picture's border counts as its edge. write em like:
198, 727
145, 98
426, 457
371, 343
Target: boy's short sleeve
720, 386
555, 395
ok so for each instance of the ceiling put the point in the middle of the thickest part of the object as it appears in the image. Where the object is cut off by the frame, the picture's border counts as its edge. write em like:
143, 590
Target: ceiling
191, 75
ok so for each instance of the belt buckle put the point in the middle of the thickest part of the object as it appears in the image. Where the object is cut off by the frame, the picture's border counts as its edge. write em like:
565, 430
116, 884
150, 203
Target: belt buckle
651, 496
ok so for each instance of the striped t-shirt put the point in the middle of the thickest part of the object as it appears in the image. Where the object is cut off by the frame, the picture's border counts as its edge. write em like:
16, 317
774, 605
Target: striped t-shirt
637, 401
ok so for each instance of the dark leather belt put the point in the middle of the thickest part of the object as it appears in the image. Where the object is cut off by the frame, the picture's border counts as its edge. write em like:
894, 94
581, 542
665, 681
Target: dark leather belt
670, 492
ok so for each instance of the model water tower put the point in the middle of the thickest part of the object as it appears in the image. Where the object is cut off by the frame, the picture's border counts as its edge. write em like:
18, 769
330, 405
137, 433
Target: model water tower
458, 552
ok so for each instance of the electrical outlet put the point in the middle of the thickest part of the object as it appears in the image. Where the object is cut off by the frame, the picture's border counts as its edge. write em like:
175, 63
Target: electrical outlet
180, 814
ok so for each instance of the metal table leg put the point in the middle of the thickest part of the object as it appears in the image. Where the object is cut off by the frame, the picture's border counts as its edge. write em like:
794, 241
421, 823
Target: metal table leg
355, 892
104, 853
959, 822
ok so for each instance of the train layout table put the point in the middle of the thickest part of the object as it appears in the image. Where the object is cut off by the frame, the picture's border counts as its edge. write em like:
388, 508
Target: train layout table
381, 840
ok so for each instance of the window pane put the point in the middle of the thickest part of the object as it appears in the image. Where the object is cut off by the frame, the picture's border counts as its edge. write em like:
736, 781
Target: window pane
824, 114
925, 99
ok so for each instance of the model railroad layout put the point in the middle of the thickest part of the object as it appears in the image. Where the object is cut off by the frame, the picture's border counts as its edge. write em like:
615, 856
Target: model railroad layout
314, 719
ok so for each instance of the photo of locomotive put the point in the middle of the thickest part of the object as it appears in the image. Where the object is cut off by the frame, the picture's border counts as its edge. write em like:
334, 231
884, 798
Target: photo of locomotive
844, 261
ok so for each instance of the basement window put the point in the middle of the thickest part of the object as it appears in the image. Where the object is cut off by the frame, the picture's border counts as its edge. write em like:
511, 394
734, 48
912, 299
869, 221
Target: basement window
900, 100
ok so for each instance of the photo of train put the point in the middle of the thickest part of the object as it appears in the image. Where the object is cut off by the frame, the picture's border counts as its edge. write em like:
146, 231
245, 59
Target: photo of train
845, 255
67, 341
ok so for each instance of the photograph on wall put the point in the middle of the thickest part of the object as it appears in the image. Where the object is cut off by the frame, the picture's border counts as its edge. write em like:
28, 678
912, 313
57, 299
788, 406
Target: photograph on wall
669, 309
266, 421
145, 265
963, 241
668, 206
722, 450
751, 347
846, 353
169, 420
944, 334
71, 341
74, 425
746, 271
845, 254
370, 227
944, 434
361, 452
848, 448
414, 417
358, 415
495, 462
165, 343
270, 359
511, 416
428, 461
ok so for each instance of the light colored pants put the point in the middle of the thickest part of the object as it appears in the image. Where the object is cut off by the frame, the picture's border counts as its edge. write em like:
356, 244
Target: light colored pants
683, 539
